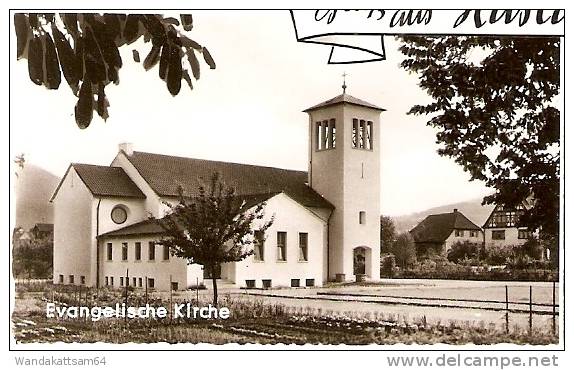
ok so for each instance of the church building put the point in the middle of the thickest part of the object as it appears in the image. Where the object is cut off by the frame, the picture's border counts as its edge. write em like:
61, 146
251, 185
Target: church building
326, 220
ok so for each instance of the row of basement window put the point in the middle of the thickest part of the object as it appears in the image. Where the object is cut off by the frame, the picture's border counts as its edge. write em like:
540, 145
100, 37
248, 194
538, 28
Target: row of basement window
72, 279
137, 251
136, 282
281, 248
361, 134
266, 283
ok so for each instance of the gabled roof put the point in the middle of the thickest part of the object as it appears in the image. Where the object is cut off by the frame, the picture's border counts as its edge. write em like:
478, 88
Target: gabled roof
437, 228
344, 98
165, 174
104, 181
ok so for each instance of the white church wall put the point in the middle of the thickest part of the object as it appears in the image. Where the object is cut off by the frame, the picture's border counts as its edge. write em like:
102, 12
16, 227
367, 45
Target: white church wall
72, 230
157, 269
152, 201
292, 218
362, 185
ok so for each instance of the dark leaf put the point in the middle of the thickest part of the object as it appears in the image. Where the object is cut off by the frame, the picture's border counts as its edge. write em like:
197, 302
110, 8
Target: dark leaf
70, 64
155, 28
22, 32
193, 62
102, 103
33, 20
186, 21
152, 58
49, 17
187, 79
95, 64
113, 25
189, 43
171, 20
136, 55
70, 21
174, 71
84, 107
51, 65
131, 29
108, 50
36, 60
164, 60
208, 59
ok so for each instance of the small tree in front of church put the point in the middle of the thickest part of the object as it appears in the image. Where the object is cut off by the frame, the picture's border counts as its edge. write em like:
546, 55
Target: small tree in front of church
213, 227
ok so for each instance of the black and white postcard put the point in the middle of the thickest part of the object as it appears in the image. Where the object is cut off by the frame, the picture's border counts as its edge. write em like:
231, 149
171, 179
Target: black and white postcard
390, 180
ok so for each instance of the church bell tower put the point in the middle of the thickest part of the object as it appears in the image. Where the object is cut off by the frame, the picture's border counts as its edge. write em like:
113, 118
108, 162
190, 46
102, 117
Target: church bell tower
344, 167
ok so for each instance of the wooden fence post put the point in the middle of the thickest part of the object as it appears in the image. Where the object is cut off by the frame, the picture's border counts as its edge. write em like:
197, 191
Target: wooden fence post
170, 299
530, 309
553, 307
507, 323
126, 290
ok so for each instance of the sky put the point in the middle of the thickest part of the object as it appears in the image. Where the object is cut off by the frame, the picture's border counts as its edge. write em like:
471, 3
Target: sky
247, 110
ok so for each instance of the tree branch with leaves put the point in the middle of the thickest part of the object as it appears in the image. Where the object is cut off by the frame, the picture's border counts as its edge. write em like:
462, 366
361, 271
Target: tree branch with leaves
84, 47
494, 105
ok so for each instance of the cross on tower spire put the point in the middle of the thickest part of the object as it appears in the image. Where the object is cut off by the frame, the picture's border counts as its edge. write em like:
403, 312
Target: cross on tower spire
344, 82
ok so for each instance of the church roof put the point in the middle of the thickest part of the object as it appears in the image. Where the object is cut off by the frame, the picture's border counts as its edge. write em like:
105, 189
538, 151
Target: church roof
344, 98
165, 174
152, 227
104, 181
146, 227
437, 228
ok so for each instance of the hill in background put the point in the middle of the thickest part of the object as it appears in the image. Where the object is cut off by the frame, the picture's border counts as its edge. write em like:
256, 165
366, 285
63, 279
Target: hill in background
33, 188
472, 209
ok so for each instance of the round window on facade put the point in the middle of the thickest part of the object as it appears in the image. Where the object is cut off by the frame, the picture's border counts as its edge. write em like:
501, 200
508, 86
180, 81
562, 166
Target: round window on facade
119, 214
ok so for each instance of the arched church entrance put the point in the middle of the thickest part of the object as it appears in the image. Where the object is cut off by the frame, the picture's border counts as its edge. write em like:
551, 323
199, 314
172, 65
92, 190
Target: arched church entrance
362, 261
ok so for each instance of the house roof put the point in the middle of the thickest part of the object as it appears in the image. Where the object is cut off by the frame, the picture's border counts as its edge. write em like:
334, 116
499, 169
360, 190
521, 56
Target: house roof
437, 228
165, 174
104, 181
344, 98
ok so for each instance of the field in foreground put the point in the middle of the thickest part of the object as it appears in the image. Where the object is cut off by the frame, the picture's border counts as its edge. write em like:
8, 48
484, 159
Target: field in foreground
253, 321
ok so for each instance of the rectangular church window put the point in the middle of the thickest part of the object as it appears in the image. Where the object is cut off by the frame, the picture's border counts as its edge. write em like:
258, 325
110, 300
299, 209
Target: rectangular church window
324, 135
303, 242
259, 246
124, 251
355, 132
369, 136
362, 217
361, 137
110, 251
151, 251
332, 134
281, 246
138, 251
318, 136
